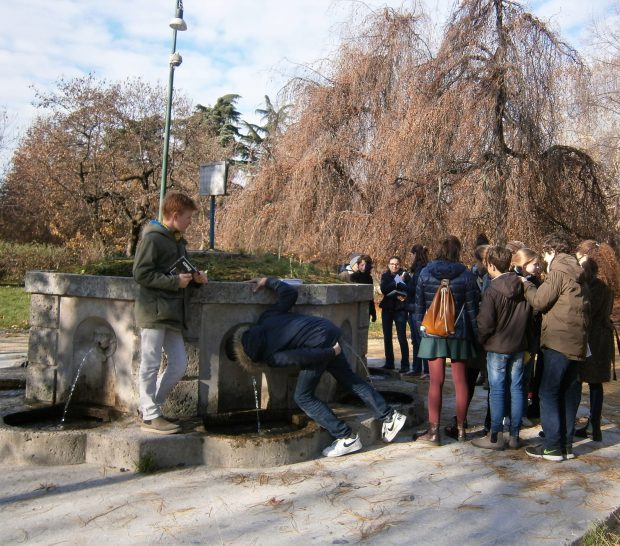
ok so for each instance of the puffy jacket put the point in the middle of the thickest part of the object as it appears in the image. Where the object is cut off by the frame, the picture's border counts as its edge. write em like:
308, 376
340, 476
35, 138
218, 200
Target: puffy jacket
387, 285
160, 302
282, 338
563, 300
504, 320
465, 291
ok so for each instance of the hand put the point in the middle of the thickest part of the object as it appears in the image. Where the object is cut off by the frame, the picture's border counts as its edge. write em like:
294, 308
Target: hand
337, 348
200, 277
258, 282
184, 279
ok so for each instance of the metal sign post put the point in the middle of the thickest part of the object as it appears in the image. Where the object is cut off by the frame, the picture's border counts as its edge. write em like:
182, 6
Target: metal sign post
213, 178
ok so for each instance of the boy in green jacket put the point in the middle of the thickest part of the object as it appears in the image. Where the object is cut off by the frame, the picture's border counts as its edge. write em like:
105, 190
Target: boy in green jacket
161, 306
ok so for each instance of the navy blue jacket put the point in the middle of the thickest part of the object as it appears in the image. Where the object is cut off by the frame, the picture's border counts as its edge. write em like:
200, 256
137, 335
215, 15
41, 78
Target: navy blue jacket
283, 338
464, 288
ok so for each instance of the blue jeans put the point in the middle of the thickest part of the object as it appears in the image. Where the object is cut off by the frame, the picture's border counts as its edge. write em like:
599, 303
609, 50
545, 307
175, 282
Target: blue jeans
399, 318
320, 412
560, 394
419, 365
505, 383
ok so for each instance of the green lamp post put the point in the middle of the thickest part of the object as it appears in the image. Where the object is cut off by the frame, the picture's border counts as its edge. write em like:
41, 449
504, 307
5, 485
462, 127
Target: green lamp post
176, 24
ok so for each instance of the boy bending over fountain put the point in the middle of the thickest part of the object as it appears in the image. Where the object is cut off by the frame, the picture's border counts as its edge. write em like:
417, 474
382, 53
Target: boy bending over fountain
161, 307
281, 338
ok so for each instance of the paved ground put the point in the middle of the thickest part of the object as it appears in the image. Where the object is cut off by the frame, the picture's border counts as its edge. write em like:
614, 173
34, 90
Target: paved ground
402, 493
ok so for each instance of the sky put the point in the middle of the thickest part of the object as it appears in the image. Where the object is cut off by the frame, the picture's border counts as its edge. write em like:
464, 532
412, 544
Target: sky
248, 47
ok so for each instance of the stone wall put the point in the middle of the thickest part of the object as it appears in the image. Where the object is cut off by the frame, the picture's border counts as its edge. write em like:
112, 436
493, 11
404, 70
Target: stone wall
89, 320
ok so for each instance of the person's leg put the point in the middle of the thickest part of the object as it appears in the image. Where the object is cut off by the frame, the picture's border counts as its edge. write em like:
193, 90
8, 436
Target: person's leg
176, 357
570, 393
534, 410
550, 409
341, 371
400, 319
459, 379
596, 409
315, 408
472, 373
528, 367
514, 376
496, 372
387, 318
416, 363
151, 343
435, 388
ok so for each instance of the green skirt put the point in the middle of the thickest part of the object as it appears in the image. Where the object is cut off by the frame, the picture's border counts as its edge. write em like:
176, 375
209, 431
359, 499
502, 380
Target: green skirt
446, 347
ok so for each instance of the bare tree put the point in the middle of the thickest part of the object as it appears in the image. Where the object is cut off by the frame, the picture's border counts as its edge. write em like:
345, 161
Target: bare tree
395, 145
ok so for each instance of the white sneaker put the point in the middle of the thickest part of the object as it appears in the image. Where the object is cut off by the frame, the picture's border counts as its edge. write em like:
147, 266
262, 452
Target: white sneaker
391, 427
343, 446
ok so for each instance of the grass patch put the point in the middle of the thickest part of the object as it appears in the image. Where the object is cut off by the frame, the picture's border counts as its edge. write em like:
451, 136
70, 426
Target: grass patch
146, 464
225, 267
602, 533
14, 307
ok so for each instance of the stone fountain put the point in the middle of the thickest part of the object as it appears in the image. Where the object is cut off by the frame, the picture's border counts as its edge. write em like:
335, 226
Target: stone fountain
78, 317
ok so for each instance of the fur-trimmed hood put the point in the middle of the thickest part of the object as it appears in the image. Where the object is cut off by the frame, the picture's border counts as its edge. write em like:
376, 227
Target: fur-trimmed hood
239, 352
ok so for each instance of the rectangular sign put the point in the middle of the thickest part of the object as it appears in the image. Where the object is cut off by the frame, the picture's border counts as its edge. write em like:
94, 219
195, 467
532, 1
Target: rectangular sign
213, 177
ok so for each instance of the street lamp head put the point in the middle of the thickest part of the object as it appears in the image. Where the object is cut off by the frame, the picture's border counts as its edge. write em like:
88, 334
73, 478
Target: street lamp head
178, 23
176, 59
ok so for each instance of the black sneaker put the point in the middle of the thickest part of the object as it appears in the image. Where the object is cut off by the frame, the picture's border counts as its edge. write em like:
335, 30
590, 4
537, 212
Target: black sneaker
539, 452
567, 453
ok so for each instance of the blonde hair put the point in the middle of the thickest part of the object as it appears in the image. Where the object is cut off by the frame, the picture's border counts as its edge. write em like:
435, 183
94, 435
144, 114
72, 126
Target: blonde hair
524, 256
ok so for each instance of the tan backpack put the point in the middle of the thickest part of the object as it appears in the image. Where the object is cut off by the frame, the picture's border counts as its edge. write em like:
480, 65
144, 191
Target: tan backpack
440, 318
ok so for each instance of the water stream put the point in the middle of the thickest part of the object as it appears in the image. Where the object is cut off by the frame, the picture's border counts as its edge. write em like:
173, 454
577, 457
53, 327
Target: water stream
77, 376
350, 348
257, 406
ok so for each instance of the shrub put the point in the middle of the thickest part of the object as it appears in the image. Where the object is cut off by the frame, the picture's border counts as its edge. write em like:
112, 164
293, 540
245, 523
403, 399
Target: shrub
17, 259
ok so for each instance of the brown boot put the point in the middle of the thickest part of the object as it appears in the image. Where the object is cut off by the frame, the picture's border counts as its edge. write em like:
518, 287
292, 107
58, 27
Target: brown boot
487, 443
461, 437
431, 436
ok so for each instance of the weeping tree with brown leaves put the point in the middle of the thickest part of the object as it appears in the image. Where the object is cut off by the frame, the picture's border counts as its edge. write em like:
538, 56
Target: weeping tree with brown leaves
398, 146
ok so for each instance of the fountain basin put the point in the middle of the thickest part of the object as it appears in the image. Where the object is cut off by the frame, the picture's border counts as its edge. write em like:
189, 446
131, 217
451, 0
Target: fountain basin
79, 416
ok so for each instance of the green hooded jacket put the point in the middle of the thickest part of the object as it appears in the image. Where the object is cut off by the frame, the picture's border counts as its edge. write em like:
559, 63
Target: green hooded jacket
563, 300
160, 302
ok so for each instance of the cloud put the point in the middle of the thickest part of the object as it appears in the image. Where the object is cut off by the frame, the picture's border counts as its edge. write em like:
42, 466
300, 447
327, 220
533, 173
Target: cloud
247, 47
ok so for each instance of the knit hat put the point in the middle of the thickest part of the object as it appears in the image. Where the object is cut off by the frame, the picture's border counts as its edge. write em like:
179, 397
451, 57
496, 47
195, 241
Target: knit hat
354, 260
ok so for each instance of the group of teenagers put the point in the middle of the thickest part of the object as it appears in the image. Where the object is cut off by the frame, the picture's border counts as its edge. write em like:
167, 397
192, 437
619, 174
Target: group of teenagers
506, 315
536, 335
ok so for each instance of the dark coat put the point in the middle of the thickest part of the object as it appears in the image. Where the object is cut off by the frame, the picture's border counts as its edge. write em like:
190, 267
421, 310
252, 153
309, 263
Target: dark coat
283, 338
160, 302
364, 277
597, 367
563, 301
505, 316
387, 285
465, 291
414, 275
